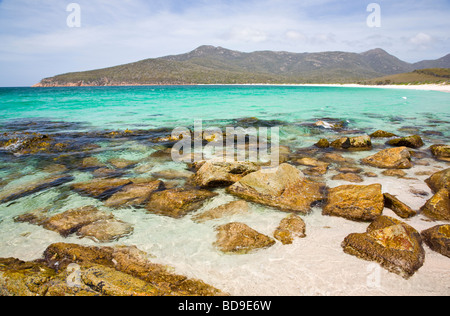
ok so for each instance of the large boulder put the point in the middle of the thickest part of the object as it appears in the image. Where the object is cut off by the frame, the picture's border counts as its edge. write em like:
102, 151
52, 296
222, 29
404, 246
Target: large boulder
179, 202
395, 245
285, 188
438, 207
291, 227
439, 180
33, 186
238, 238
414, 141
391, 158
222, 174
438, 239
354, 202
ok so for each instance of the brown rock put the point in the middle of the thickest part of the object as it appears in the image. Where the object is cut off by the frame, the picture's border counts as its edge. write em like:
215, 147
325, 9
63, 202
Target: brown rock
323, 143
438, 207
229, 209
291, 227
349, 177
337, 158
284, 187
134, 194
410, 141
400, 208
178, 203
392, 243
101, 189
241, 239
438, 239
382, 134
439, 180
107, 230
392, 158
353, 143
92, 162
394, 173
441, 152
120, 163
359, 203
71, 221
222, 174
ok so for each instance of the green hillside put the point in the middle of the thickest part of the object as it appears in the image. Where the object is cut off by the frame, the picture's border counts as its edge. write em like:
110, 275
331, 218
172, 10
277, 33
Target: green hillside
422, 76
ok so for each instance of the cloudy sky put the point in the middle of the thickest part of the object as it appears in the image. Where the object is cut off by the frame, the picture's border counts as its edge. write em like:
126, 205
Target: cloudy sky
36, 40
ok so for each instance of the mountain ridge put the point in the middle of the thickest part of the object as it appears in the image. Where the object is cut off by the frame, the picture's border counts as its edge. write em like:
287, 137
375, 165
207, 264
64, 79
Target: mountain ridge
217, 65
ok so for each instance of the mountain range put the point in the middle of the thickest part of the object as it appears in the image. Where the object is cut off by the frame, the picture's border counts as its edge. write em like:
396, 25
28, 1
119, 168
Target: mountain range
217, 65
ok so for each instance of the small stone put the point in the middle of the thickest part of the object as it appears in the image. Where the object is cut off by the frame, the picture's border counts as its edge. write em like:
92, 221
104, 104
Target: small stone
323, 143
107, 230
229, 209
349, 177
291, 227
382, 134
438, 239
394, 173
400, 208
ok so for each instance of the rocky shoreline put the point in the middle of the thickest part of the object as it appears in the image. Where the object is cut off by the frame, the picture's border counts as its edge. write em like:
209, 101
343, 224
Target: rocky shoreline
300, 185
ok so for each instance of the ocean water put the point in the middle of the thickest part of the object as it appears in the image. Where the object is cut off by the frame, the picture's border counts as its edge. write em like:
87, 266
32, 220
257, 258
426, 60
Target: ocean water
315, 265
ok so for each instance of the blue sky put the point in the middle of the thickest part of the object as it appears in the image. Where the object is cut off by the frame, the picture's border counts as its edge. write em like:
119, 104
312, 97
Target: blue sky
35, 41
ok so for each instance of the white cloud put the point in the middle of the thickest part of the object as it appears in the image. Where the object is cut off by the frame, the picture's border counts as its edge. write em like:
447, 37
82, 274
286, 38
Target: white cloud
421, 39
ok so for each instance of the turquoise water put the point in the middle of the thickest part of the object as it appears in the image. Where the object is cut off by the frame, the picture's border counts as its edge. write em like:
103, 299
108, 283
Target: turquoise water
83, 118
153, 107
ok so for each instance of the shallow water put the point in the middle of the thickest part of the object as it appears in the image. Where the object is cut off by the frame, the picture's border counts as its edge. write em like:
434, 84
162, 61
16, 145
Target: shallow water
315, 265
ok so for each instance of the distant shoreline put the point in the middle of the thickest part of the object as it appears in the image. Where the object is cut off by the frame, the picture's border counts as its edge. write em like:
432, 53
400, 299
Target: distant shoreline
423, 87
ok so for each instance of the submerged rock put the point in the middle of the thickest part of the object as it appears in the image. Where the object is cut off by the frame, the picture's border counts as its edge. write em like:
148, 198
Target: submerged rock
396, 246
107, 230
136, 194
240, 239
178, 203
438, 239
291, 227
438, 207
284, 187
229, 209
105, 271
399, 208
101, 189
349, 177
391, 158
441, 152
354, 202
382, 134
410, 141
34, 186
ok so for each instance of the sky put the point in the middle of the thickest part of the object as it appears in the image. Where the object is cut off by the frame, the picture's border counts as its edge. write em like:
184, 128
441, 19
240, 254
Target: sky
38, 41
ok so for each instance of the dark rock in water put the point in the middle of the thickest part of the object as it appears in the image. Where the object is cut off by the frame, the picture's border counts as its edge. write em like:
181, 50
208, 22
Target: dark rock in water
34, 187
439, 180
101, 189
438, 207
391, 158
285, 188
105, 271
354, 202
410, 141
395, 245
255, 122
238, 238
178, 203
291, 227
438, 239
400, 208
382, 134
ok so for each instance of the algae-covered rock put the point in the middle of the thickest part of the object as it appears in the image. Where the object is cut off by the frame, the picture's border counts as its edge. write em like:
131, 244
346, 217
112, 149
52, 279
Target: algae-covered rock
438, 239
222, 174
353, 143
238, 238
414, 141
382, 134
395, 245
391, 158
284, 187
441, 152
291, 227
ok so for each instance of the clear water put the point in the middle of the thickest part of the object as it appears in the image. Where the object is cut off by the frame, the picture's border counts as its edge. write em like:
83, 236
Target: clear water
315, 265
